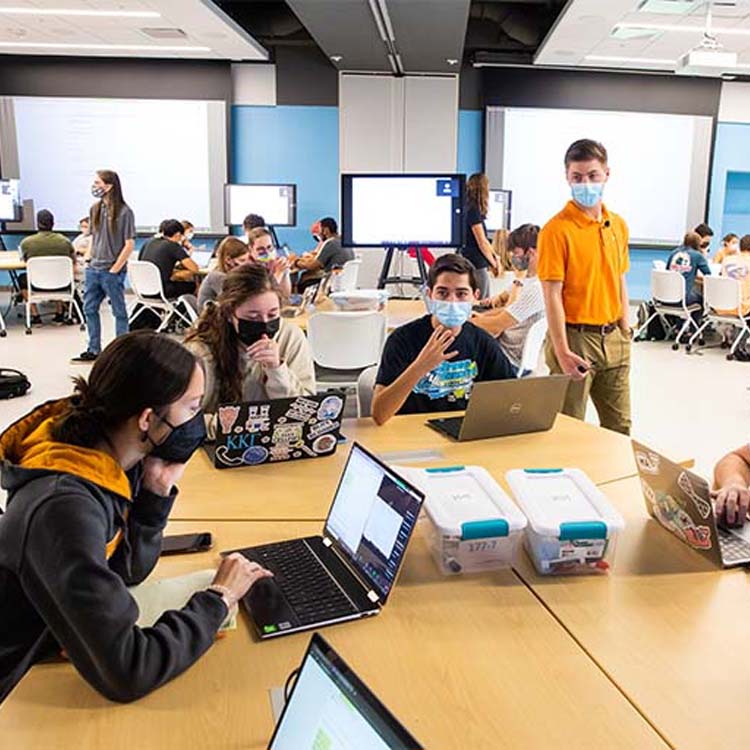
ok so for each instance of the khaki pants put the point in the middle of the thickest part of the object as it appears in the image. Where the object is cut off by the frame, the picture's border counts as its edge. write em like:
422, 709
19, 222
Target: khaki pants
609, 382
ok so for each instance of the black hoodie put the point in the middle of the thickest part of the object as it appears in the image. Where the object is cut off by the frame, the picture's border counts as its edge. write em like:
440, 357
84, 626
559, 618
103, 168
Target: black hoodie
76, 532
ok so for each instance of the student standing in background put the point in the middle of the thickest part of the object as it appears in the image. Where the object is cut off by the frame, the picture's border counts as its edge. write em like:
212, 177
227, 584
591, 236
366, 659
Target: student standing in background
583, 259
477, 247
112, 242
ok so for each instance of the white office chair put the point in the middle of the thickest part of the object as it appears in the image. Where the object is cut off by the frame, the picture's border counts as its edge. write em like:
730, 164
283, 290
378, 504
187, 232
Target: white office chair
50, 279
365, 389
369, 269
668, 298
145, 281
343, 344
346, 279
532, 347
722, 293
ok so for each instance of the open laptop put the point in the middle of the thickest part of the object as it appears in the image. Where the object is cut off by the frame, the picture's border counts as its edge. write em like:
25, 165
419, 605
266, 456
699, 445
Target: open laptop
507, 407
681, 502
251, 433
202, 257
331, 708
349, 571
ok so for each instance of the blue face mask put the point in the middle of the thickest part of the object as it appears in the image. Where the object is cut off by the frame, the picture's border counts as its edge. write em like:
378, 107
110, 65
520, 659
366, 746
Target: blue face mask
450, 314
587, 194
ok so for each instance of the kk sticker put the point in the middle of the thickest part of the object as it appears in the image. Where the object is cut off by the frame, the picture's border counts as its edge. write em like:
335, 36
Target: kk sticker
258, 419
227, 417
647, 462
330, 408
302, 409
703, 505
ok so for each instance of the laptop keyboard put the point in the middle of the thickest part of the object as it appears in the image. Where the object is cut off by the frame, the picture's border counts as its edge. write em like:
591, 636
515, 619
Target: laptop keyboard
451, 425
734, 549
312, 593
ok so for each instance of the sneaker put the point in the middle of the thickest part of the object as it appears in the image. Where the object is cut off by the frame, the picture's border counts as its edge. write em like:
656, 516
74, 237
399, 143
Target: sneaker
36, 320
86, 356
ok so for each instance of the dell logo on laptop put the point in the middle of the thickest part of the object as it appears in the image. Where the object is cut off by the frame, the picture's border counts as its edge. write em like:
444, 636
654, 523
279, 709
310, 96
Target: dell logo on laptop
515, 409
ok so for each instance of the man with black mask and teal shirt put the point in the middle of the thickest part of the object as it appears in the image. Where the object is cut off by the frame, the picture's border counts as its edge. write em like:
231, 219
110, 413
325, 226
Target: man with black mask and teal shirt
247, 351
431, 364
91, 482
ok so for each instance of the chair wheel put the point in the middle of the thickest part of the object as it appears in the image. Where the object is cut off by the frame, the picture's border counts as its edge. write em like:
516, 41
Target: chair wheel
3, 334
702, 341
675, 347
730, 357
28, 331
82, 327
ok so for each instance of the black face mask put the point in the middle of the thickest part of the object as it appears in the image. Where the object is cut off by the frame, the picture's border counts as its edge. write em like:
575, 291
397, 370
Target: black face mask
250, 331
182, 442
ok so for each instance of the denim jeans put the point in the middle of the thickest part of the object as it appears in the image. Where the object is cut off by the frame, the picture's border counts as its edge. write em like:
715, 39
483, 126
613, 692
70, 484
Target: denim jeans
101, 284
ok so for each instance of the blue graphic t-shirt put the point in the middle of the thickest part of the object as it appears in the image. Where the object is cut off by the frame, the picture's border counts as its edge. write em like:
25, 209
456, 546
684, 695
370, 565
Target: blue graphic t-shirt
448, 386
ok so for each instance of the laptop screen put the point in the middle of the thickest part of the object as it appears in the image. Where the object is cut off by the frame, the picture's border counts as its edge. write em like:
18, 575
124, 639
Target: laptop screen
372, 518
330, 707
202, 257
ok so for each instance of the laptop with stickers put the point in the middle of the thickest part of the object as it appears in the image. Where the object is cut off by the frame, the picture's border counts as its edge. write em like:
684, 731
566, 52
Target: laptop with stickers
347, 572
681, 502
284, 429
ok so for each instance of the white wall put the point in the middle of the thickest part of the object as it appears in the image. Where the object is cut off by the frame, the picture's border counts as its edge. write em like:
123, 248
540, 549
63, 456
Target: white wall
734, 104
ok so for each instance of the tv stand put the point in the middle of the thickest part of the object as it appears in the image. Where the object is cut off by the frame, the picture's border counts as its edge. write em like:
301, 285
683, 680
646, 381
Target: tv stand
385, 278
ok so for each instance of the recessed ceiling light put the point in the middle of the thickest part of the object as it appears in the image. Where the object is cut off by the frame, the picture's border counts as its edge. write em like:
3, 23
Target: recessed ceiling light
336, 58
451, 61
690, 29
81, 12
618, 59
107, 47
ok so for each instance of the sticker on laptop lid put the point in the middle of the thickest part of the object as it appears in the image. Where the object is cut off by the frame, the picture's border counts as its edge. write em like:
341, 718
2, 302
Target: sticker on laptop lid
648, 462
221, 455
255, 454
324, 444
670, 513
321, 428
258, 418
302, 409
330, 407
227, 417
703, 506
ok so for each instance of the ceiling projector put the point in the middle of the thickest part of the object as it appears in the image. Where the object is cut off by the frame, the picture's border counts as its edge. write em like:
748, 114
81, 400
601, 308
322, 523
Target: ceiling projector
707, 59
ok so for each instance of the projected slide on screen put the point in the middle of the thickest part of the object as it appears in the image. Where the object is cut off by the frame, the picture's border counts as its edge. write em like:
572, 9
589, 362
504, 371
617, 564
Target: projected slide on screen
402, 210
10, 202
170, 155
277, 204
525, 148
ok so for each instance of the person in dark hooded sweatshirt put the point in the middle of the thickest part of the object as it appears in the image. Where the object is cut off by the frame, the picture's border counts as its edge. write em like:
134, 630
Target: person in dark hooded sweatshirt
90, 482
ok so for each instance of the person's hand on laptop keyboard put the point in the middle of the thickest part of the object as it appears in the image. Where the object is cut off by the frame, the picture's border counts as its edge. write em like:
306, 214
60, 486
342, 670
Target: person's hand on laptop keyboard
731, 504
235, 577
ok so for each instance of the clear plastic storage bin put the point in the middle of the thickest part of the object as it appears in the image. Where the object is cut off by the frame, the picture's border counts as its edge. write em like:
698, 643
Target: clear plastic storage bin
572, 528
473, 526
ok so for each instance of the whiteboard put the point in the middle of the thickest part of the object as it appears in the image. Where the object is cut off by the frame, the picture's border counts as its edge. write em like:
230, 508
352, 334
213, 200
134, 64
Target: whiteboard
170, 156
659, 165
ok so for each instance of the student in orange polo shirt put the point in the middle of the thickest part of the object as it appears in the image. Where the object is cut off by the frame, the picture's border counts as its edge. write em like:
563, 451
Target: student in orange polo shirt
583, 259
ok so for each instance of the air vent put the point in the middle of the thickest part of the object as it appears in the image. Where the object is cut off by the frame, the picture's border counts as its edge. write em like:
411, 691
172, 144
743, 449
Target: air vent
165, 33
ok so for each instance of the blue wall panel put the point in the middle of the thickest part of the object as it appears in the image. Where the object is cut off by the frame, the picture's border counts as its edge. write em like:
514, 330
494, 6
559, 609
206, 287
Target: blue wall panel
470, 141
731, 154
290, 144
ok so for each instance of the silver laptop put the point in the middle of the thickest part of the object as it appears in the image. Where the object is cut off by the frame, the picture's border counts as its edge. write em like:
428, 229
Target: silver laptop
681, 502
507, 407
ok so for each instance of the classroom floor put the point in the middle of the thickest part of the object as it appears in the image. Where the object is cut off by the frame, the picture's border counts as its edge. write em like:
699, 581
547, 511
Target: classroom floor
695, 406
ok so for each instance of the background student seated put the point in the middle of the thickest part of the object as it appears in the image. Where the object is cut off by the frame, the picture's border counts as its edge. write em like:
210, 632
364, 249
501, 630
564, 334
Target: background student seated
248, 352
705, 233
263, 251
730, 245
690, 261
91, 482
250, 222
510, 325
176, 268
330, 256
737, 266
431, 364
42, 244
230, 253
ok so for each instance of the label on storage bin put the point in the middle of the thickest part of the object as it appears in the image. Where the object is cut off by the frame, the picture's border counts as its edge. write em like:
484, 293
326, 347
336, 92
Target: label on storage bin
474, 554
582, 550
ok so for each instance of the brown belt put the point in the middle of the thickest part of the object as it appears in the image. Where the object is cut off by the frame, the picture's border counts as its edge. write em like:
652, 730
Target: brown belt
604, 330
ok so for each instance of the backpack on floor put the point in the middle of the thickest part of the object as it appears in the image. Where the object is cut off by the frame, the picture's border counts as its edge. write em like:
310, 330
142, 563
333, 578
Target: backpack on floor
13, 383
655, 329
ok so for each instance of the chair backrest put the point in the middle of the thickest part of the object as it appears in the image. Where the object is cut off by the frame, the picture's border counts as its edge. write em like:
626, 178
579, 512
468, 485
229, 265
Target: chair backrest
144, 278
49, 272
721, 293
346, 340
668, 287
532, 347
346, 280
659, 265
365, 388
369, 270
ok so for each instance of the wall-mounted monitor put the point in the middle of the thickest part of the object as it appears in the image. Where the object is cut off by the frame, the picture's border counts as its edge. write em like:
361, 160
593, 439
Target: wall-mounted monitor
498, 210
277, 204
401, 210
11, 208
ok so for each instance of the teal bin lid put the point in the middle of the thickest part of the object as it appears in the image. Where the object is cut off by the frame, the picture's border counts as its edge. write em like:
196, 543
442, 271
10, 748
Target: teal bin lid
583, 530
484, 529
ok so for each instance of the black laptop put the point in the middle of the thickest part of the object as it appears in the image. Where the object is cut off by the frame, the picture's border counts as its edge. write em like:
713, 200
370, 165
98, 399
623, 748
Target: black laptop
283, 429
330, 708
349, 571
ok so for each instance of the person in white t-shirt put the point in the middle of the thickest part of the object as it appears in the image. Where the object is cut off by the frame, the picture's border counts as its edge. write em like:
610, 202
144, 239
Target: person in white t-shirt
510, 325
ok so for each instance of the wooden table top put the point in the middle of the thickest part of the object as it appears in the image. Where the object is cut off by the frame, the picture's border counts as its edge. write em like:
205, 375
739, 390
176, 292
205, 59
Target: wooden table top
669, 628
303, 490
464, 662
398, 312
10, 260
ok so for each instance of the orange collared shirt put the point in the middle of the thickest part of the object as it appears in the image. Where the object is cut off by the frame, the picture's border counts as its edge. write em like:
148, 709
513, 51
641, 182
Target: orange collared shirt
589, 257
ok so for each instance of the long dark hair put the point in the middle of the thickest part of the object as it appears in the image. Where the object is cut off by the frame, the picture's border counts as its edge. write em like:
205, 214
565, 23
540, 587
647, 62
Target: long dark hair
215, 330
114, 199
136, 371
478, 192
